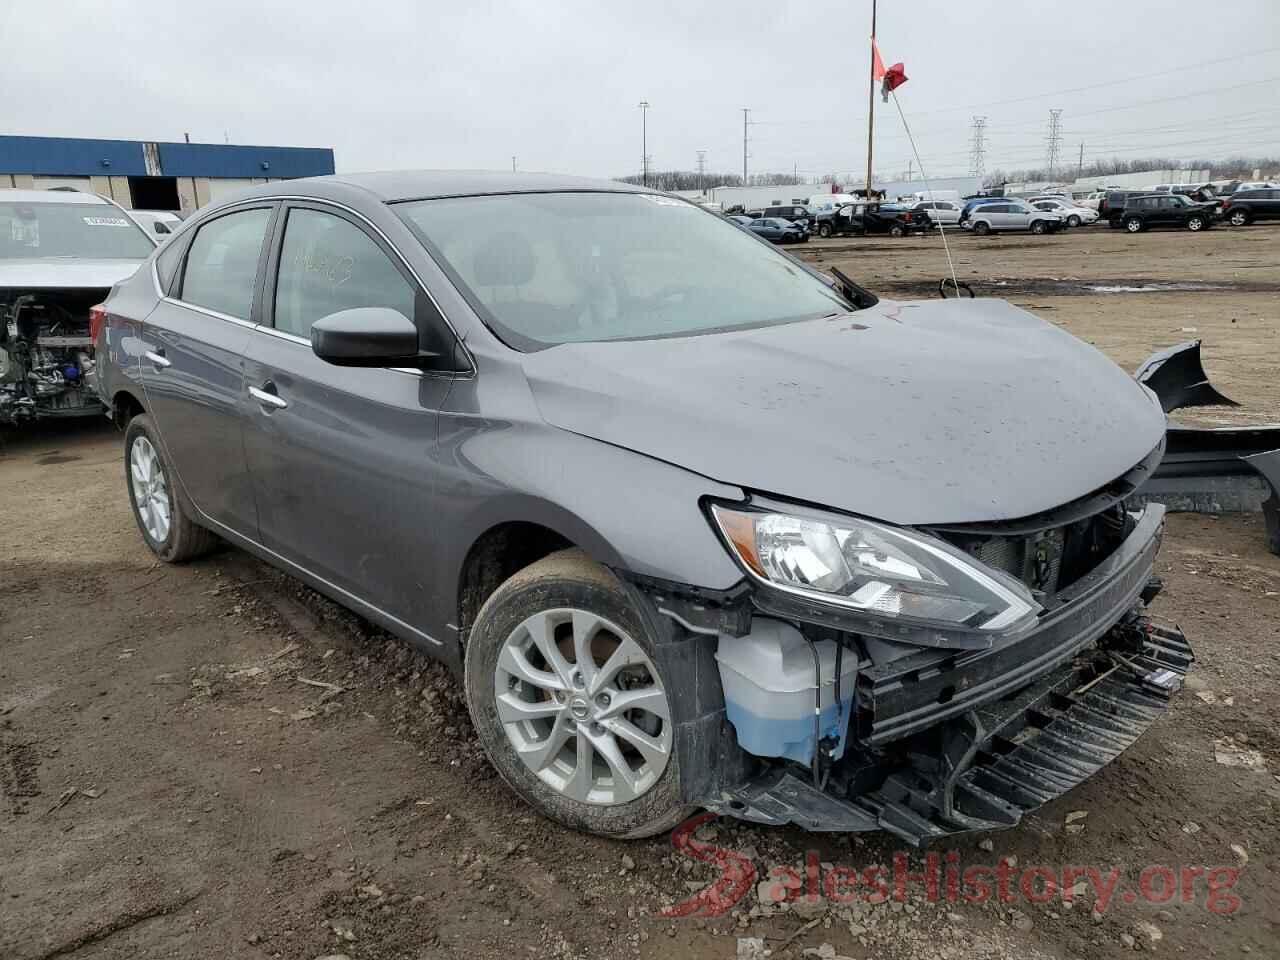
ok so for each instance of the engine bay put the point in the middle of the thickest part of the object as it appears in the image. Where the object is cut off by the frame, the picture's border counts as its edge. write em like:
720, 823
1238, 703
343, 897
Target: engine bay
46, 354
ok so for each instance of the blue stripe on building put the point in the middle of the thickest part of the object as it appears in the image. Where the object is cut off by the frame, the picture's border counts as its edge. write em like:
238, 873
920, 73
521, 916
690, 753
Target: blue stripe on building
65, 156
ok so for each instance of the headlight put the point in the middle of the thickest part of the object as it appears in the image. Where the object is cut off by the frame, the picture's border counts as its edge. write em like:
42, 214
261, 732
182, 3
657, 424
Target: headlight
894, 576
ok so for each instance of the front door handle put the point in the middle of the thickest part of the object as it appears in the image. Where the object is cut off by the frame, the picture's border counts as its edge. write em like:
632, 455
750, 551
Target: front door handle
267, 398
158, 358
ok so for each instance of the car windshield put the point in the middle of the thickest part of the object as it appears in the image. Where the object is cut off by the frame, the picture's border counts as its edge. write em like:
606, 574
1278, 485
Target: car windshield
550, 268
80, 230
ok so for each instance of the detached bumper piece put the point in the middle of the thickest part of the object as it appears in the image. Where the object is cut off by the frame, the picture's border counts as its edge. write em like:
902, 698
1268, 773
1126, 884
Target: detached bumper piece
984, 769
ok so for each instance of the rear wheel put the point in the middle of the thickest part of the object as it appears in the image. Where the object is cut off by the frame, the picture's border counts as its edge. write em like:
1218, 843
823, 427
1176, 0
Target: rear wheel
824, 231
568, 701
897, 230
1239, 218
164, 516
1038, 227
1133, 224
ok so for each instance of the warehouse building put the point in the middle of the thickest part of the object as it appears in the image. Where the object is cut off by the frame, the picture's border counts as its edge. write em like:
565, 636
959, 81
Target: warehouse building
153, 176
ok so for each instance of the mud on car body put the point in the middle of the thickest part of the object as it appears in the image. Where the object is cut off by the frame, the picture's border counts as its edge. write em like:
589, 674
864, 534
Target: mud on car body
695, 525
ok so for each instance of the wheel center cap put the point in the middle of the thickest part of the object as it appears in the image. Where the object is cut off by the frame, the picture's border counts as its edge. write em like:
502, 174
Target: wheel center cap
579, 708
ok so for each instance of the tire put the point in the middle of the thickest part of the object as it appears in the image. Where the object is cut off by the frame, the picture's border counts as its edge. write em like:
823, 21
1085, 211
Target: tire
1074, 220
565, 590
1133, 225
1038, 227
1196, 224
824, 231
177, 537
897, 230
982, 228
1239, 218
1114, 223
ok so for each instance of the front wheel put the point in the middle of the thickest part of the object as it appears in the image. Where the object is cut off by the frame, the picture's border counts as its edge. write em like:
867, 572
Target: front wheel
568, 701
1195, 224
1239, 218
982, 228
1038, 227
1074, 220
1133, 225
164, 516
824, 231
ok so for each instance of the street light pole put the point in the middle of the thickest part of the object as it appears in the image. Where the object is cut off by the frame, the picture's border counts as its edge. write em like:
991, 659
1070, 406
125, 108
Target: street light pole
644, 142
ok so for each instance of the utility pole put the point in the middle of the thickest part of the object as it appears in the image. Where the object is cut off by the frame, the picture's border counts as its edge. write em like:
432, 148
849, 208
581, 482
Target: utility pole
644, 142
746, 112
978, 148
871, 100
1080, 166
702, 172
513, 163
1054, 141
910, 165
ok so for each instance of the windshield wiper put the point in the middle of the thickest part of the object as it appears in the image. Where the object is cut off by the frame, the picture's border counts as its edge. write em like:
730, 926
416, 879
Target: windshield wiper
858, 295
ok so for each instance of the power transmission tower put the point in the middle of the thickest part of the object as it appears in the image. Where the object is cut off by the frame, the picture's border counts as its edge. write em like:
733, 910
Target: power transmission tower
702, 171
746, 122
1054, 141
978, 148
1080, 166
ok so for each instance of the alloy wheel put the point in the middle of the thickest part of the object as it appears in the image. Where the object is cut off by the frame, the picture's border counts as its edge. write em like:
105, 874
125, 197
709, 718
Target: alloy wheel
1239, 218
583, 707
150, 489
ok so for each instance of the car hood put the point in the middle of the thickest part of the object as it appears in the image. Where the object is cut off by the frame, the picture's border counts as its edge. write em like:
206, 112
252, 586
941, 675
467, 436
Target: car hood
933, 412
54, 272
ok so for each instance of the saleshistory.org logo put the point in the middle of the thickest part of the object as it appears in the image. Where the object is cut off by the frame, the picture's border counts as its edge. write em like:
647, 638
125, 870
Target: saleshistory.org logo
940, 879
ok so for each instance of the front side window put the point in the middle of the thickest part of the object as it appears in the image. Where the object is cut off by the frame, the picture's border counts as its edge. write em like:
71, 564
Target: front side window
222, 262
96, 231
552, 268
328, 264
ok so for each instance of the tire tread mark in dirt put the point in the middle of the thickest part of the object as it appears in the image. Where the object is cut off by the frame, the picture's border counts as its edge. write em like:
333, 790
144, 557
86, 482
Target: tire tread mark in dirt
117, 924
19, 771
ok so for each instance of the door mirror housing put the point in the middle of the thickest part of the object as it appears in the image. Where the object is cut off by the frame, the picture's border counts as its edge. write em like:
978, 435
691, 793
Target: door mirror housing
368, 337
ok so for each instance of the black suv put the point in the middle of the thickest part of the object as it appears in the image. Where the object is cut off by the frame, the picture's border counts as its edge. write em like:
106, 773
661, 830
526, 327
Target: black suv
791, 212
1246, 206
1166, 210
1111, 206
861, 219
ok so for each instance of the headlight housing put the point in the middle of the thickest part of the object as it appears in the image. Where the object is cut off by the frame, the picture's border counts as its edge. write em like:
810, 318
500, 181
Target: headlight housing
900, 583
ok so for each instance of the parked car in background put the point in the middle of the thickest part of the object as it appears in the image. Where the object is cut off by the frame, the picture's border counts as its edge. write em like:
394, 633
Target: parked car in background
1072, 214
162, 223
505, 417
1166, 210
1010, 215
61, 251
861, 218
777, 230
1112, 206
791, 212
740, 219
1245, 206
945, 212
972, 203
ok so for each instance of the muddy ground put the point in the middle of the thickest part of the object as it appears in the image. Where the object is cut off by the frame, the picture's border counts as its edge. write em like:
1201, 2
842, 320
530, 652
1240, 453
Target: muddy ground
170, 787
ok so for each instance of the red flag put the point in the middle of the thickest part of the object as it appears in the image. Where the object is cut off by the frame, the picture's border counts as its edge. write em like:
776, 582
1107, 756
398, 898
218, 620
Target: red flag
877, 65
894, 77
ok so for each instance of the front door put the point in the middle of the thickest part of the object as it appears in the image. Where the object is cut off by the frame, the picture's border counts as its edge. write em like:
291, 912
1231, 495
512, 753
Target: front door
193, 364
339, 456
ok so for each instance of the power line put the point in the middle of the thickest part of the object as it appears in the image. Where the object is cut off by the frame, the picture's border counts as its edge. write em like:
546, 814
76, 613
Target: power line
977, 152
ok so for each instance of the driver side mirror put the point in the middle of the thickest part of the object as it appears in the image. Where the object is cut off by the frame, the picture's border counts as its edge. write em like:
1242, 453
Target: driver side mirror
368, 337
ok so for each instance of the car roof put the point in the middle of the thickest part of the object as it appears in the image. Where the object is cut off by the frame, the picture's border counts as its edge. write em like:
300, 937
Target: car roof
396, 185
8, 195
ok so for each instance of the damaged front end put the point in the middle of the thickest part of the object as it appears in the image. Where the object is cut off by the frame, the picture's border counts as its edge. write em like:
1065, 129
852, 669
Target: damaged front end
46, 354
845, 728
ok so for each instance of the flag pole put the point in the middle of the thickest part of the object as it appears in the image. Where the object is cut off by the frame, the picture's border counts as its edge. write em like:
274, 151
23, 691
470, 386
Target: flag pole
871, 99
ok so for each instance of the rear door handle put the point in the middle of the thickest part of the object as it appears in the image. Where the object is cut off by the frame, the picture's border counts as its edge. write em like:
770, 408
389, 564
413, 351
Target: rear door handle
268, 399
158, 358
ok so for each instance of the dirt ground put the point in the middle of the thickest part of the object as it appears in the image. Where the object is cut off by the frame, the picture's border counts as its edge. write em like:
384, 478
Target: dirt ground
172, 786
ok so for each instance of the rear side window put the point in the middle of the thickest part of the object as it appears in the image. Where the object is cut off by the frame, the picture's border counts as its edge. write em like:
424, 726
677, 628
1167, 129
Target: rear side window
167, 263
329, 264
222, 263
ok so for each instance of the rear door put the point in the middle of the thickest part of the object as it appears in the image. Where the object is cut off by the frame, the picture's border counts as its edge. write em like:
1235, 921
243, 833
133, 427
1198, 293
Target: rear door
339, 456
192, 367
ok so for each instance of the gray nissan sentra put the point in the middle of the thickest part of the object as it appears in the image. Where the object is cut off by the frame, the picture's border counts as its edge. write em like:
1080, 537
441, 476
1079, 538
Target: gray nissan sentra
693, 524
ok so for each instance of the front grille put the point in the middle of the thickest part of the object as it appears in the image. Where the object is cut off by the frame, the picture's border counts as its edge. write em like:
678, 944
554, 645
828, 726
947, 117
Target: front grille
1049, 560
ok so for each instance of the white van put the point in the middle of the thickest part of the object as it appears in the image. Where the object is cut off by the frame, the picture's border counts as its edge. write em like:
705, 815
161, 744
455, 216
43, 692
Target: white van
826, 202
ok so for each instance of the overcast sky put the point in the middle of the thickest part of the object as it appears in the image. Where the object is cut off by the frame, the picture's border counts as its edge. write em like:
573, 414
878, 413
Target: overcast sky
417, 83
